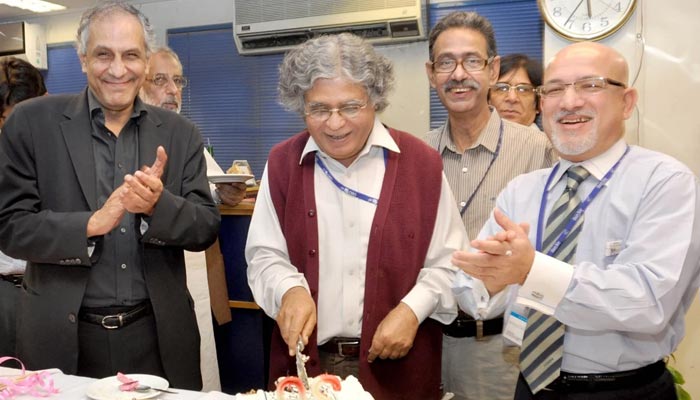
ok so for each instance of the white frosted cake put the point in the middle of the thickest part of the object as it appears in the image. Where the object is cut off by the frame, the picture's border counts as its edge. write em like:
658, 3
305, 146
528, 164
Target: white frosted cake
322, 387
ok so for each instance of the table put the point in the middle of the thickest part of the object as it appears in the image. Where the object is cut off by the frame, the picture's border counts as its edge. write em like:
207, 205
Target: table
73, 387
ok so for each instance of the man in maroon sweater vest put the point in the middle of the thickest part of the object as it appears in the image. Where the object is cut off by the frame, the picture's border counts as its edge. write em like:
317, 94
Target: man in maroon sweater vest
349, 245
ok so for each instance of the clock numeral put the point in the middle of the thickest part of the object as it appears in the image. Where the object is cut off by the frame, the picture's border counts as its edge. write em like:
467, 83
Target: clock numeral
604, 21
556, 12
586, 26
617, 7
569, 24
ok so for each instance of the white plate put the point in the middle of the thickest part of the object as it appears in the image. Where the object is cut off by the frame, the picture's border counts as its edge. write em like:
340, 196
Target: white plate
108, 388
229, 178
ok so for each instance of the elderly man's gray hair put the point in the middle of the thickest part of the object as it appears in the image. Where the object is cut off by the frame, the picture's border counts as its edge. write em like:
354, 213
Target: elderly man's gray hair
343, 55
107, 8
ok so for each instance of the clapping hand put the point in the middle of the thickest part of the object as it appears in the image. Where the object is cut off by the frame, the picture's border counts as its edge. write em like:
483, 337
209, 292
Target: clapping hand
502, 259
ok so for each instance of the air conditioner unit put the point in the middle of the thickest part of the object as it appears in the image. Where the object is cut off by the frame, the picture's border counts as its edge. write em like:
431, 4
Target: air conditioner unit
267, 26
23, 40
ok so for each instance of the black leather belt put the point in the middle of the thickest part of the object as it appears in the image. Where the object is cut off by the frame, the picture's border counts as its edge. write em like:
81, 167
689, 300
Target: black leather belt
15, 279
568, 382
115, 317
466, 326
344, 347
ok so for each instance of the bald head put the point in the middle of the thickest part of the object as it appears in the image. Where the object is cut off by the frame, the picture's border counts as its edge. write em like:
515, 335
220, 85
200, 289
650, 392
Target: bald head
594, 54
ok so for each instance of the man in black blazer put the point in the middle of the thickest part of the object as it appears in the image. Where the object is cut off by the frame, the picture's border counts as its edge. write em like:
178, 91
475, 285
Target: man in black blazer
101, 193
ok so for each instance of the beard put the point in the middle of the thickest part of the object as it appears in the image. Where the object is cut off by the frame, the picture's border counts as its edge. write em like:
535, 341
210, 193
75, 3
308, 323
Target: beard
573, 143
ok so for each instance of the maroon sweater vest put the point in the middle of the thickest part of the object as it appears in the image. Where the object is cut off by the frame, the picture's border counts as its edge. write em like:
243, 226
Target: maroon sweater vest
400, 236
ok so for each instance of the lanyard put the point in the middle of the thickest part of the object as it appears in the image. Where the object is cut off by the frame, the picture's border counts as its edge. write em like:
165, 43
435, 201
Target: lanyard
344, 188
493, 159
579, 210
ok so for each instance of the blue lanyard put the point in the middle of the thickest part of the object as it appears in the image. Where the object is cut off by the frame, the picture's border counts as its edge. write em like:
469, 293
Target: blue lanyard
344, 188
493, 159
579, 210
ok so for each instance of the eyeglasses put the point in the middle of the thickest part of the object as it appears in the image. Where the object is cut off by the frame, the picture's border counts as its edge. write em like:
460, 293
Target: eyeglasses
348, 111
502, 89
471, 64
583, 86
162, 80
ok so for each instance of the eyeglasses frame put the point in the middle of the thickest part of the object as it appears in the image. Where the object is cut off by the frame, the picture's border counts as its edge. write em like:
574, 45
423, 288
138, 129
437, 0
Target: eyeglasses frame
461, 62
337, 110
608, 81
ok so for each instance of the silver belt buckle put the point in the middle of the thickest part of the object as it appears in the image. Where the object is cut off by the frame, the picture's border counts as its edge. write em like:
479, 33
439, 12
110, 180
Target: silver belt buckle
119, 320
343, 343
479, 329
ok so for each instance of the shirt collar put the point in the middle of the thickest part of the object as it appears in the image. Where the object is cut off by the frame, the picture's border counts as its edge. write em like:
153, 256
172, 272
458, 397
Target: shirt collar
379, 137
598, 166
487, 138
94, 105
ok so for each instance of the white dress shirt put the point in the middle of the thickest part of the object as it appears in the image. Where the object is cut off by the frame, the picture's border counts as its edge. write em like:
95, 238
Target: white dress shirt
10, 266
636, 268
344, 225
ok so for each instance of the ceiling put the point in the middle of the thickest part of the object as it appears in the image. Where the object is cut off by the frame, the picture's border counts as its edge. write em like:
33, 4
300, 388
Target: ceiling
8, 13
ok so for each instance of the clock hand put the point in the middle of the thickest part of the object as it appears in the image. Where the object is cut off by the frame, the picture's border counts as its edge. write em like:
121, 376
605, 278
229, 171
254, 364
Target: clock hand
574, 12
588, 5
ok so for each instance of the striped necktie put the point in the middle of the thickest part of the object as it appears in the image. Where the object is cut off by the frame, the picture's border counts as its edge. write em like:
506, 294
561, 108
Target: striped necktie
543, 341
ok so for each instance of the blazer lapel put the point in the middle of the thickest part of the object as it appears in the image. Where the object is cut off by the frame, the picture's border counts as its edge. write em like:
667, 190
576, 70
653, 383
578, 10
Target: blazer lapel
77, 134
152, 135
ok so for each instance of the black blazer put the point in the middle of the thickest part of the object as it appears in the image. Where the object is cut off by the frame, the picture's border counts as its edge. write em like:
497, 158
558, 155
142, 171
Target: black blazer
47, 187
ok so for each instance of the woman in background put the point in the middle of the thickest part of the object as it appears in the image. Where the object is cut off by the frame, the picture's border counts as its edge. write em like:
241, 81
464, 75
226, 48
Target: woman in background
514, 94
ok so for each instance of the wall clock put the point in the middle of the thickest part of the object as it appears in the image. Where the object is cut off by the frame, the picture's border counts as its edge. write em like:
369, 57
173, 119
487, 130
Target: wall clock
579, 20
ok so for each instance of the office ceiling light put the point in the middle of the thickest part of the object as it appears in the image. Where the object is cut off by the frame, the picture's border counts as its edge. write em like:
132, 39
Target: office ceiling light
38, 6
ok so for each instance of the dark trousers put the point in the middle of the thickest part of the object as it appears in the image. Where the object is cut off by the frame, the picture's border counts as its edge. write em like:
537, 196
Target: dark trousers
130, 349
335, 364
661, 388
8, 317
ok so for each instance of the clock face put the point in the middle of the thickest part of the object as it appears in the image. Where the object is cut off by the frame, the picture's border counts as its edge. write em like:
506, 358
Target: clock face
586, 19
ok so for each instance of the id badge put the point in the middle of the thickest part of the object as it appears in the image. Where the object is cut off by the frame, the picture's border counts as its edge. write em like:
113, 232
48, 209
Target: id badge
515, 327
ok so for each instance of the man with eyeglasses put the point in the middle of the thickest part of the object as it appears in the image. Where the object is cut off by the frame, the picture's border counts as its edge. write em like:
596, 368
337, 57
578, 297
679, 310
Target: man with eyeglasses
604, 261
514, 95
352, 228
481, 153
101, 194
163, 88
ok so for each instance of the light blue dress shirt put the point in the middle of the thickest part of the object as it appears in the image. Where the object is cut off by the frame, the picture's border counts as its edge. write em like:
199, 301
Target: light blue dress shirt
636, 269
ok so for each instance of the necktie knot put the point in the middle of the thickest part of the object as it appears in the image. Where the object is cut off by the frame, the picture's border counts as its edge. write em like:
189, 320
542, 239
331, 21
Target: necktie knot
575, 175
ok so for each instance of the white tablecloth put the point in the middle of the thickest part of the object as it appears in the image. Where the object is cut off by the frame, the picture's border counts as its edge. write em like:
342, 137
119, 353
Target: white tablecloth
73, 387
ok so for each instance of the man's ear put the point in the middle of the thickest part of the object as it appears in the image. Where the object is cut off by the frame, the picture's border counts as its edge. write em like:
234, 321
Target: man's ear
429, 71
495, 70
83, 63
630, 100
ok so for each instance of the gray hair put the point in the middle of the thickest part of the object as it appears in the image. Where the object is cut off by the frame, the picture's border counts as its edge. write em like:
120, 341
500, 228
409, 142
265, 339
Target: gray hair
332, 56
107, 8
167, 50
467, 20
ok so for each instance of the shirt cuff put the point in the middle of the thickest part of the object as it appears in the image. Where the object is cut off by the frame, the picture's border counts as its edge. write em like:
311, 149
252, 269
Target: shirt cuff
422, 303
474, 299
546, 284
284, 285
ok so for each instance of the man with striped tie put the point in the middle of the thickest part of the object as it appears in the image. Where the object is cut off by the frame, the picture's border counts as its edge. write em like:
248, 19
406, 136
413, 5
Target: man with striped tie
596, 260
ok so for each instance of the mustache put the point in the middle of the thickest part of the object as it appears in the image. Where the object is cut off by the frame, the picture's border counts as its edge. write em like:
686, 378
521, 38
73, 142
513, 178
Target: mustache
579, 113
463, 84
